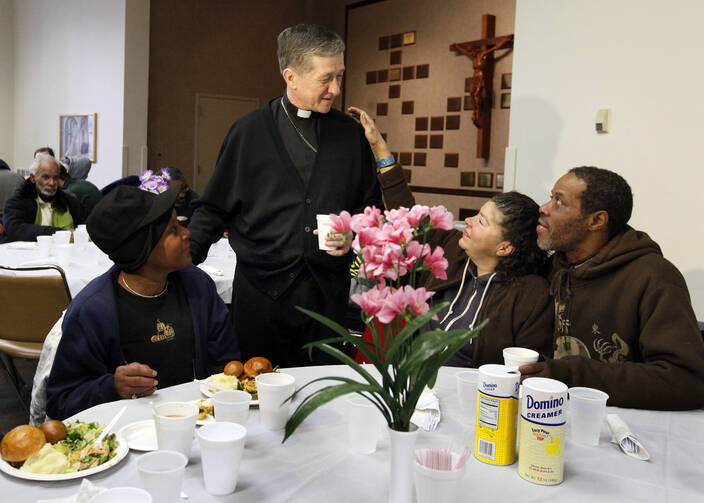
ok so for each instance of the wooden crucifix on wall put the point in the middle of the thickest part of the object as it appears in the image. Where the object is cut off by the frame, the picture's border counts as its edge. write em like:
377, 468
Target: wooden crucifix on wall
481, 52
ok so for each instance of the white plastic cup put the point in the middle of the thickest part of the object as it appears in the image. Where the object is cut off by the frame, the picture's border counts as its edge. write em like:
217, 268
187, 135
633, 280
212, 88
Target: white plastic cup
80, 235
515, 357
62, 237
324, 224
467, 392
362, 425
437, 486
64, 254
221, 447
175, 423
44, 245
161, 474
272, 389
231, 406
587, 412
122, 494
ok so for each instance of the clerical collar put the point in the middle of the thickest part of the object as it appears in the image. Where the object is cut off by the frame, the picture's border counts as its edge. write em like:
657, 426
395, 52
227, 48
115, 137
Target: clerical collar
301, 114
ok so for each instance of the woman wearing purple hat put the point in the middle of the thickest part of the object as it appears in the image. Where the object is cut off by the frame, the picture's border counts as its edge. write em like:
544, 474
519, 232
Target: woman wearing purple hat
153, 320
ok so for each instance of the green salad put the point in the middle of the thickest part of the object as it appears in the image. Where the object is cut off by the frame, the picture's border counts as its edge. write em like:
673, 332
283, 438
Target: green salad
78, 446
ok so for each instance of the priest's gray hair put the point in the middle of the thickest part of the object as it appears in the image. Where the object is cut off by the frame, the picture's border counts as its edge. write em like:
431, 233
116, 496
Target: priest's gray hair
39, 160
296, 45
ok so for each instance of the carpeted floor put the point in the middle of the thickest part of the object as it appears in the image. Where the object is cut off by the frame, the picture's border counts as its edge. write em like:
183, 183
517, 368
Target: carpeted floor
11, 412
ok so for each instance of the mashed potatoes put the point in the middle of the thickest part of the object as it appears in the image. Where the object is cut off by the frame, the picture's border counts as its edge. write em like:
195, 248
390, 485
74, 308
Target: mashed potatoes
225, 382
47, 461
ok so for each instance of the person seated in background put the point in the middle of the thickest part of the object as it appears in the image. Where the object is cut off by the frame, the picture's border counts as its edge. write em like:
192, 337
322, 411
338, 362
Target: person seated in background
73, 176
493, 272
184, 203
9, 182
624, 322
44, 150
152, 320
40, 206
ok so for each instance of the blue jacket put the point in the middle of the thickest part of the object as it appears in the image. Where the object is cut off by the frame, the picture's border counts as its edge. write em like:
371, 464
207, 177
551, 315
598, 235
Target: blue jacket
89, 352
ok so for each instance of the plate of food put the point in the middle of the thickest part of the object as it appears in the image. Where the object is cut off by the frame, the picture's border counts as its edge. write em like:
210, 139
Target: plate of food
58, 451
206, 412
238, 376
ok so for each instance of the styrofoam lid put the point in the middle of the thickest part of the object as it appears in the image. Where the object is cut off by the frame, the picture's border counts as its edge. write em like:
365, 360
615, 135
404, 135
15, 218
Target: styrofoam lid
496, 370
544, 384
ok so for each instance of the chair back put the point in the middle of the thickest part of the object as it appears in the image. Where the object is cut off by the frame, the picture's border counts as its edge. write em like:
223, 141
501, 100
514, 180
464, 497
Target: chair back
31, 304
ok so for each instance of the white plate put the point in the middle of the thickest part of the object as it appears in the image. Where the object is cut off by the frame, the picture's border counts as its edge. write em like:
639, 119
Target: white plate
140, 435
206, 391
122, 451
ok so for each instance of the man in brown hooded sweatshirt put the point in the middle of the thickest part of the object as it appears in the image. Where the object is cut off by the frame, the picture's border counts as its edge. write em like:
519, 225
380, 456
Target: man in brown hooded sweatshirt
623, 316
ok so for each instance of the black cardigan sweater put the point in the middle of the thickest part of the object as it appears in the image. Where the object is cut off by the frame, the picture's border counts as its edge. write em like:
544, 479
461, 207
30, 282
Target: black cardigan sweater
257, 194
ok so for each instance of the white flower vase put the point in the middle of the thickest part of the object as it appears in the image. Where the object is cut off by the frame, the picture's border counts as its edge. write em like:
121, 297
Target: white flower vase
403, 444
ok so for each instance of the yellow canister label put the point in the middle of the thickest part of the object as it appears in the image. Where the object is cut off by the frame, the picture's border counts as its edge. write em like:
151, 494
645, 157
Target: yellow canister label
497, 404
542, 431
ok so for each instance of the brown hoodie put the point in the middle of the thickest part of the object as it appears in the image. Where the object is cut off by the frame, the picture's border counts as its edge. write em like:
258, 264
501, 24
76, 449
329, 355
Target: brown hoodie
624, 324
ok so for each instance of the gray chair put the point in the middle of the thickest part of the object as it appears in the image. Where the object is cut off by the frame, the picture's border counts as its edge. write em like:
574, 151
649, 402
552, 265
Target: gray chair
31, 305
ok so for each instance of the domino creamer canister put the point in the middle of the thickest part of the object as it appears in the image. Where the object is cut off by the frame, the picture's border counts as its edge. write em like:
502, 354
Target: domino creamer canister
542, 431
497, 404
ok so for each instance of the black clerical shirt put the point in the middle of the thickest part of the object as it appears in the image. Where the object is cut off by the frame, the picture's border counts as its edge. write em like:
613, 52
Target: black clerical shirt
295, 132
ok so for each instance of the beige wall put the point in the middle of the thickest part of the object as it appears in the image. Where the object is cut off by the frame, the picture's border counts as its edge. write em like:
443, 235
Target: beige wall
574, 58
7, 107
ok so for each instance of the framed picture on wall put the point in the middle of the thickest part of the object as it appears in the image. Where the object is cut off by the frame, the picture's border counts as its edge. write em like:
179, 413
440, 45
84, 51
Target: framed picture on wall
506, 81
506, 100
77, 136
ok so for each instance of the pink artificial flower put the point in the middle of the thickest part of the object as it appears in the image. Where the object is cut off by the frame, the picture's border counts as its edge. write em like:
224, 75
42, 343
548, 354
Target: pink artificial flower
416, 214
416, 299
372, 300
397, 232
414, 251
382, 261
397, 215
440, 218
393, 305
437, 263
370, 218
340, 223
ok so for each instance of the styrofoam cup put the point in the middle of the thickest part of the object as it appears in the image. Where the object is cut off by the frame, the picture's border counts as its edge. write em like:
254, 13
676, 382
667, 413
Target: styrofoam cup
221, 447
515, 357
44, 245
587, 412
62, 237
231, 406
64, 254
122, 494
324, 224
161, 474
273, 389
175, 423
467, 392
437, 486
362, 425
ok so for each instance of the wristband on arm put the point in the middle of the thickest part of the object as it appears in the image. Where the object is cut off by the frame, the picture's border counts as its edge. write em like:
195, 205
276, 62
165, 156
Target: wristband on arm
382, 163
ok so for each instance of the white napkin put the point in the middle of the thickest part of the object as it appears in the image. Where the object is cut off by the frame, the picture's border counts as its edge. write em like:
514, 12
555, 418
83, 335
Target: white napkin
621, 434
427, 413
85, 493
211, 270
22, 245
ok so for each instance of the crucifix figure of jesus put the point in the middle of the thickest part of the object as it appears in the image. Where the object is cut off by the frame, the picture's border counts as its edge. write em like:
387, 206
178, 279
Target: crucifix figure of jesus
480, 83
481, 52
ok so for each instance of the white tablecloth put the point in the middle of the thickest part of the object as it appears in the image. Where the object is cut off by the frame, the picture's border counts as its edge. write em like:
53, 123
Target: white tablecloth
316, 464
90, 263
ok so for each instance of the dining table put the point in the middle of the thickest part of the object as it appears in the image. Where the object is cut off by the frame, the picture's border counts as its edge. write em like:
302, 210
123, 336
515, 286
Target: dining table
316, 463
88, 262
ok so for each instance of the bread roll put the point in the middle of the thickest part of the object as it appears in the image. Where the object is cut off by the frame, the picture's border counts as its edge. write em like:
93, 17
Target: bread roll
234, 368
53, 431
257, 365
21, 442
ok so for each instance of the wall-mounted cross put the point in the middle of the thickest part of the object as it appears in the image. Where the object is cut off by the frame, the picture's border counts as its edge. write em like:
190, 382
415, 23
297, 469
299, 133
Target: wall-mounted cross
481, 52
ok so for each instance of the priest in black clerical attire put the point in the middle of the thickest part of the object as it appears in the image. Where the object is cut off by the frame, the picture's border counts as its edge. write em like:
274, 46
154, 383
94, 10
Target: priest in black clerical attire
278, 168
